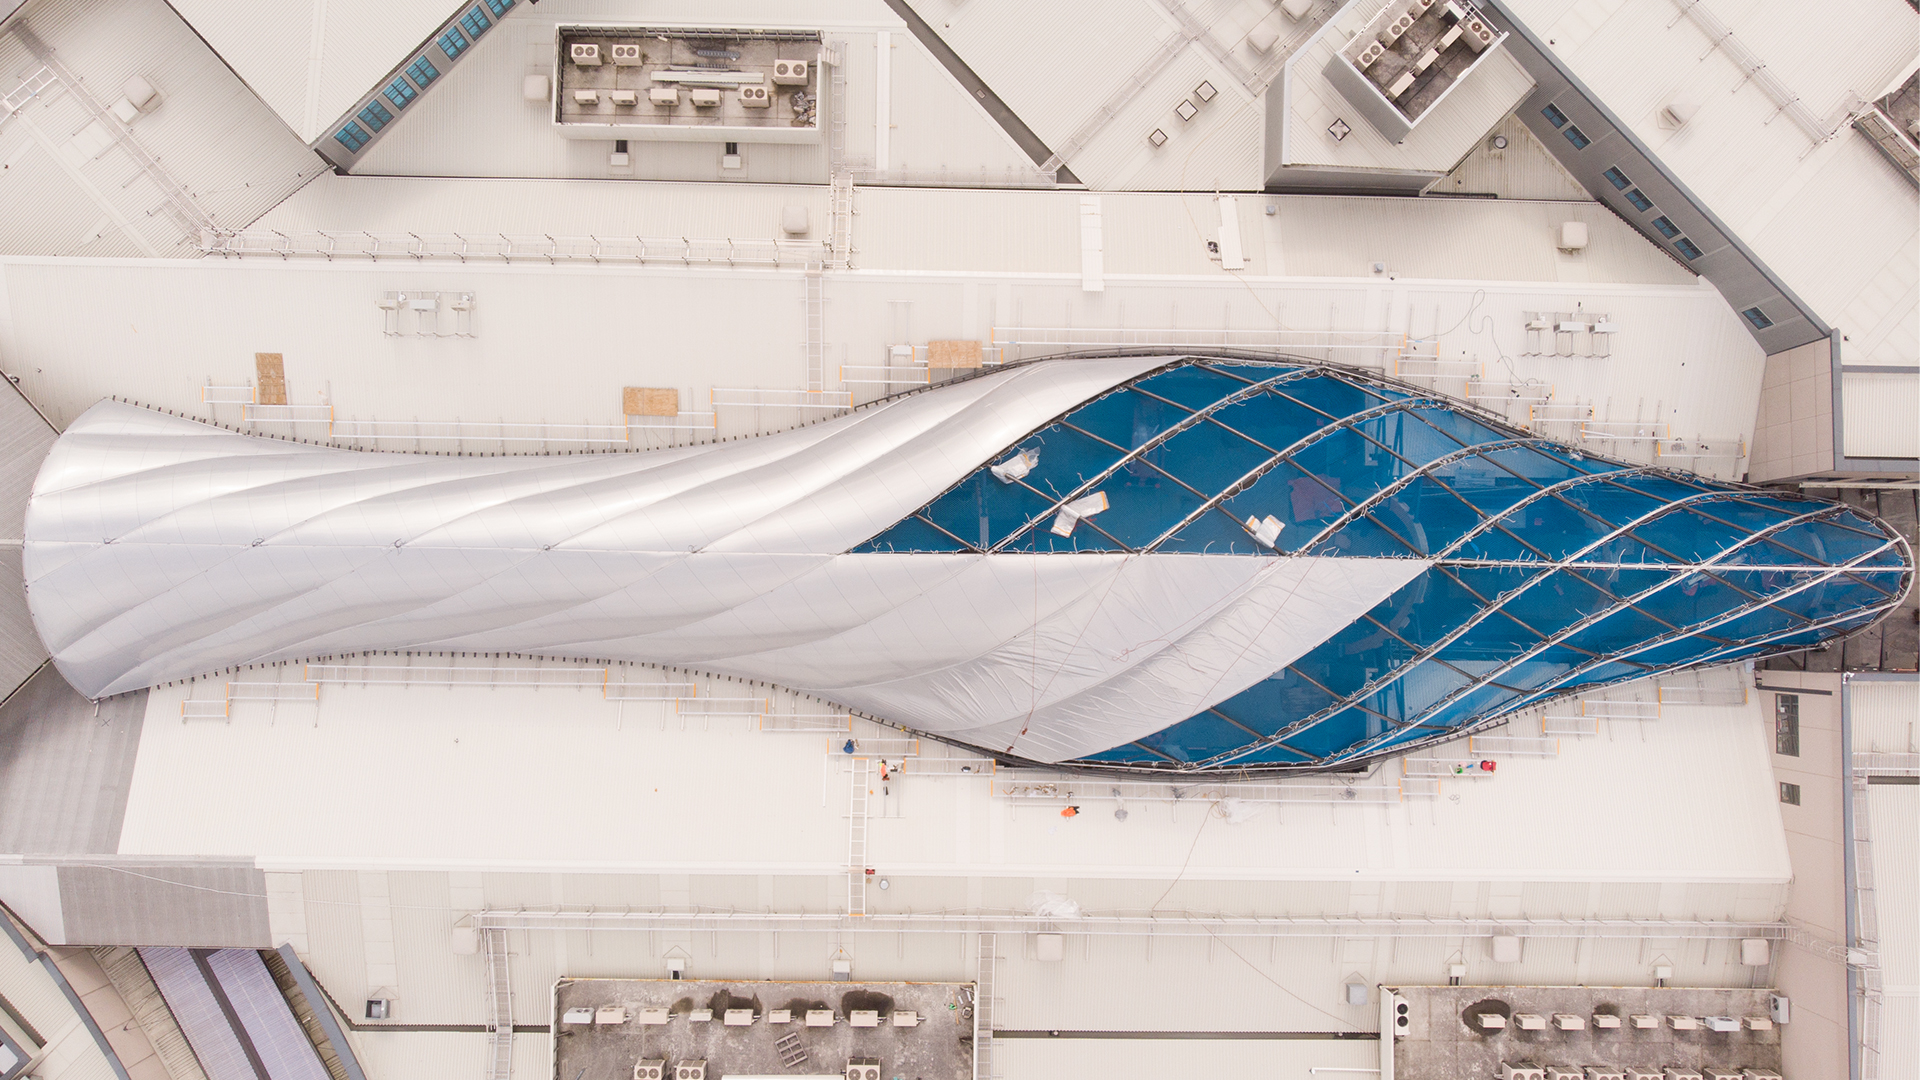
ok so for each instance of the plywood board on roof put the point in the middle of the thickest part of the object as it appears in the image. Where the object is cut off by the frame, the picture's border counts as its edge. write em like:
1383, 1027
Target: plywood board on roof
269, 369
953, 354
650, 401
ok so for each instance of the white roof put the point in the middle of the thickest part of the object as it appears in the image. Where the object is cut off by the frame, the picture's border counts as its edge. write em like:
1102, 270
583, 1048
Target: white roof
310, 61
1836, 221
543, 766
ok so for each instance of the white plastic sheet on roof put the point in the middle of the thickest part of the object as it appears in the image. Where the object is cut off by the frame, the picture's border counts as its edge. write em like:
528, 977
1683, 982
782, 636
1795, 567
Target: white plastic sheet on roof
158, 548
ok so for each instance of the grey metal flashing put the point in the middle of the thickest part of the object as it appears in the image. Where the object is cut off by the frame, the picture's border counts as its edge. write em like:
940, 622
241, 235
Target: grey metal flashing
66, 988
1546, 67
323, 1012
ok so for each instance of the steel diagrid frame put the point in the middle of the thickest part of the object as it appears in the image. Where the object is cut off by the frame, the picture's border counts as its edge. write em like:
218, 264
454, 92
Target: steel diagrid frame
1286, 455
1548, 568
1367, 505
1293, 371
1489, 678
1679, 633
1193, 419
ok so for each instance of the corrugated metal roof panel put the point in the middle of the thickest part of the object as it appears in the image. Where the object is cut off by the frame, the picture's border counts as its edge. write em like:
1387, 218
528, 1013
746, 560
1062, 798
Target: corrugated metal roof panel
1220, 148
939, 129
1885, 714
437, 1055
201, 1018
533, 207
71, 1053
265, 1016
1877, 414
1524, 170
309, 61
436, 982
1851, 235
1894, 810
232, 156
1055, 64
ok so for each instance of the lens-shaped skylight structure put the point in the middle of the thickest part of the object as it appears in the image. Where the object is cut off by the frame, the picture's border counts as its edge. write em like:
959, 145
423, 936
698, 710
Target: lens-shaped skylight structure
1133, 563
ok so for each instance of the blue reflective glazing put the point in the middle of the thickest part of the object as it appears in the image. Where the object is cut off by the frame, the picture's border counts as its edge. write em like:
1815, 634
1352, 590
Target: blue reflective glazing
1557, 571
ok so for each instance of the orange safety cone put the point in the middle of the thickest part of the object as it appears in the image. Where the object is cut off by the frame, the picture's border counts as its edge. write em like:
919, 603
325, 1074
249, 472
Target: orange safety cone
1071, 811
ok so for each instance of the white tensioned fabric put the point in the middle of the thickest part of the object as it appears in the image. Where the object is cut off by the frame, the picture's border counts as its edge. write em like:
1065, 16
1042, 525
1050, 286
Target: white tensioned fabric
158, 548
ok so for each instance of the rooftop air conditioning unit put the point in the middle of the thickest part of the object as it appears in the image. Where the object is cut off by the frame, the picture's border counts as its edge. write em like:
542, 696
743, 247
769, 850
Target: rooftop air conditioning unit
1714, 1073
755, 97
1569, 1022
1635, 1072
1479, 35
1606, 1021
1521, 1070
1681, 1072
1393, 31
1759, 1023
691, 1070
1564, 1072
1723, 1023
1529, 1021
624, 97
584, 53
626, 55
654, 1015
704, 97
1400, 85
790, 73
586, 97
610, 1014
1369, 54
1605, 1072
1761, 1074
664, 96
863, 1069
1683, 1023
1425, 61
650, 1069
581, 1015
864, 1018
1644, 1021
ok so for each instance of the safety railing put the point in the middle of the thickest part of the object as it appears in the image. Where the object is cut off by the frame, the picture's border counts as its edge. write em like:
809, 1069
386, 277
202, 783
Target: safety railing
1378, 349
510, 249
